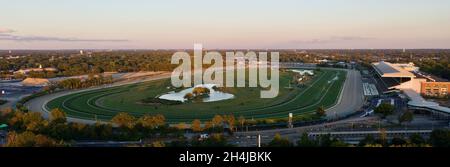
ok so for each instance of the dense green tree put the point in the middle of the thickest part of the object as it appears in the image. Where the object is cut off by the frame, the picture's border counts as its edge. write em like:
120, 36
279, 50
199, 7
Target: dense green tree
33, 122
241, 121
368, 140
306, 142
406, 117
217, 121
321, 111
196, 125
188, 96
3, 102
152, 122
384, 109
398, 141
279, 141
230, 120
29, 139
417, 139
124, 119
103, 131
440, 138
200, 91
338, 143
215, 140
58, 116
325, 140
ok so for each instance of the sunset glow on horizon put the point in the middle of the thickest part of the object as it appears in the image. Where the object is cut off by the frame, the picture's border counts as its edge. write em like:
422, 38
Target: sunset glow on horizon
233, 24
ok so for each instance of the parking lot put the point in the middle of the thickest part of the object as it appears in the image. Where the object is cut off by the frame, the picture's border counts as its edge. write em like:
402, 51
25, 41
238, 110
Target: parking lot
14, 91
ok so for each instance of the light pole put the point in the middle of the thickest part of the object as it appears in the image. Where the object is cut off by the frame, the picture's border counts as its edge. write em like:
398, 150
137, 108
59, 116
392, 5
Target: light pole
259, 140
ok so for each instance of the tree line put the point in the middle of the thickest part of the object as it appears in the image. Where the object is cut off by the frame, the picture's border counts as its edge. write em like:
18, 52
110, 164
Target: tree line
70, 63
77, 83
31, 129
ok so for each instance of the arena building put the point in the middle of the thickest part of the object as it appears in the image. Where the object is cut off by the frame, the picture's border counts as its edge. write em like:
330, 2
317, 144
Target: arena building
404, 77
437, 89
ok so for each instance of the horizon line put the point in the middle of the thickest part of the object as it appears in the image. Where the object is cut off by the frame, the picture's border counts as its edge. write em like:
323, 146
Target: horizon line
233, 49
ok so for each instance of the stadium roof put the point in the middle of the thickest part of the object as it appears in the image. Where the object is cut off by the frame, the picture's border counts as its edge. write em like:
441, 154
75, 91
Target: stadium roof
419, 101
386, 69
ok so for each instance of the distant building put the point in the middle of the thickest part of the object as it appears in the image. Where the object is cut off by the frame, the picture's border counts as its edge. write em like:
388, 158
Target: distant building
12, 57
435, 89
40, 69
323, 61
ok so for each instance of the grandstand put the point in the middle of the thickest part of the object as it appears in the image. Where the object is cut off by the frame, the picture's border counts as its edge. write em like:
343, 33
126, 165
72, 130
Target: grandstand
370, 90
392, 76
397, 77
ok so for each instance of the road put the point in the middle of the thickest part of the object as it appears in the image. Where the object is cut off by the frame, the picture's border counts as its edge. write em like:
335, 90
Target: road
248, 139
351, 99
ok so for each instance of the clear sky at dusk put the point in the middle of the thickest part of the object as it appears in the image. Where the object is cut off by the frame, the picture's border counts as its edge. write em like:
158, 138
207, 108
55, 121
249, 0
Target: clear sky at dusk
144, 24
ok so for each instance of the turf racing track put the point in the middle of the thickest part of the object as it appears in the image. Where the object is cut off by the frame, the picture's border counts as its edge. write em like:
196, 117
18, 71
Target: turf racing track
327, 91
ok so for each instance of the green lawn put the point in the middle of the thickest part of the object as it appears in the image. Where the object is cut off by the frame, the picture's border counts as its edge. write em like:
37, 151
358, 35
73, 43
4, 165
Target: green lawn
105, 103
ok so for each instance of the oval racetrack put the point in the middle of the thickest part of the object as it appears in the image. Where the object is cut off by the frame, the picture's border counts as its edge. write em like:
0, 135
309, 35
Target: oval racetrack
104, 103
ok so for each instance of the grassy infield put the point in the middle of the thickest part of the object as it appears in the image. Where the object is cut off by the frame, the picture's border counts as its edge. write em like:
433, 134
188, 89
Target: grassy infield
105, 103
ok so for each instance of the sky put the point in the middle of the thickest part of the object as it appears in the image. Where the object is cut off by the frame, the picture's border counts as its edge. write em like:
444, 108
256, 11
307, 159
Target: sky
226, 24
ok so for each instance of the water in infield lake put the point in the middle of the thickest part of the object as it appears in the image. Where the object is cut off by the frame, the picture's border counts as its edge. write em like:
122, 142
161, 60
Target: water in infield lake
213, 95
